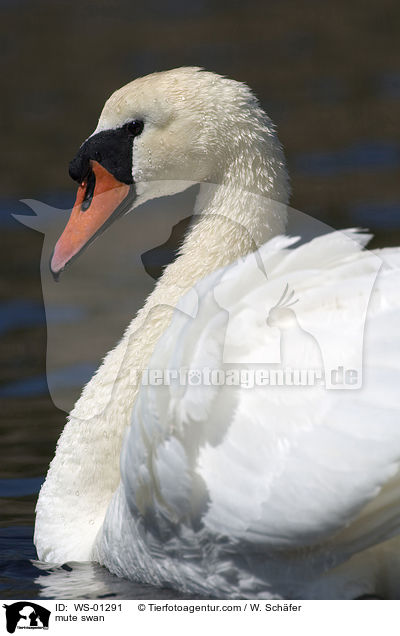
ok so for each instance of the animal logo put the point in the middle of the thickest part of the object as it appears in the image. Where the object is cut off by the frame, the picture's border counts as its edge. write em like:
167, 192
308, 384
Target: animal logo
298, 347
26, 615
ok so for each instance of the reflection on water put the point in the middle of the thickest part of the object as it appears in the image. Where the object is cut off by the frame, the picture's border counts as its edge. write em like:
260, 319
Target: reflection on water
90, 580
21, 576
17, 573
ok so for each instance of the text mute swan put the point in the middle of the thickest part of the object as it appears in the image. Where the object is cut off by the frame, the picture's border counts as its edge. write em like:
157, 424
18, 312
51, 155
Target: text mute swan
270, 485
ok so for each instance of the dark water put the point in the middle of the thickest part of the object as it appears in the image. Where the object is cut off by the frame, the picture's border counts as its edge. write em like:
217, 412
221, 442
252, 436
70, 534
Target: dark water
22, 577
328, 75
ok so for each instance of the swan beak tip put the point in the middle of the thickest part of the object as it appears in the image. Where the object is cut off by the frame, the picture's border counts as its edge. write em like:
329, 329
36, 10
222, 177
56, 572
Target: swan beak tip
55, 273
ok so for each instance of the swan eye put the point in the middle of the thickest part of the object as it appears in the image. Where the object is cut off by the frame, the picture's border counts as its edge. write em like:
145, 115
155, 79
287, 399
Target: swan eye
135, 127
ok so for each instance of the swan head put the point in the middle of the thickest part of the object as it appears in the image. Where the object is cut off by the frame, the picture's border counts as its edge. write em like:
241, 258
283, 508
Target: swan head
160, 134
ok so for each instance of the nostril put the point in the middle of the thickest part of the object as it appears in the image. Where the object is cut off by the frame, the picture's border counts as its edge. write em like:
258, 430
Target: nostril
90, 186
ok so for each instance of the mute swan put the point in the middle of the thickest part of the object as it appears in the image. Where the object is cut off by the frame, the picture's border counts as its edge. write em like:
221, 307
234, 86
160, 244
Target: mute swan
213, 487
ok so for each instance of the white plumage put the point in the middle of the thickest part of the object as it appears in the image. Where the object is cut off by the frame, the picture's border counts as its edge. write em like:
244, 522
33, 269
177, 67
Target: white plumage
233, 490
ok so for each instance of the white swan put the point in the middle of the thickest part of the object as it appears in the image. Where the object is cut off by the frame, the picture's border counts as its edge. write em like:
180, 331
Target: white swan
275, 491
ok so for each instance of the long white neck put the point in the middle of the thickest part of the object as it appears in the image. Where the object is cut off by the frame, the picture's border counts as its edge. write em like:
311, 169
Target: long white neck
234, 218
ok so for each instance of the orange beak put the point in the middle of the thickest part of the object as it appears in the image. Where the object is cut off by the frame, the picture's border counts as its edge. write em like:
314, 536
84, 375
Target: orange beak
99, 201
